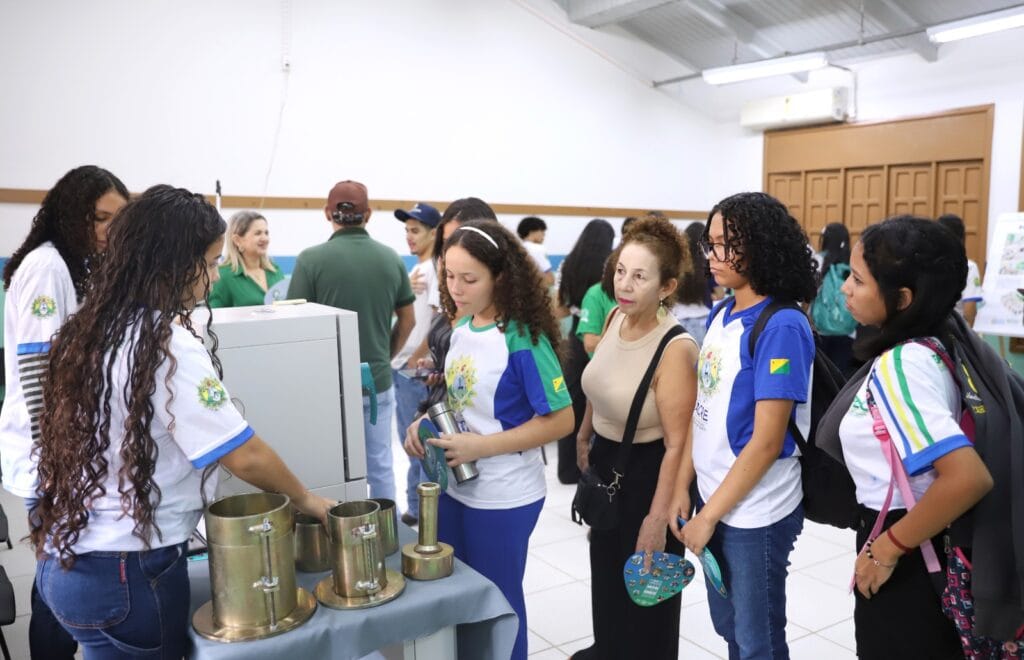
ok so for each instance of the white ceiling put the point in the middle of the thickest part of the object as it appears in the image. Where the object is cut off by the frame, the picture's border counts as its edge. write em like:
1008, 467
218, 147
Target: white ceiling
701, 34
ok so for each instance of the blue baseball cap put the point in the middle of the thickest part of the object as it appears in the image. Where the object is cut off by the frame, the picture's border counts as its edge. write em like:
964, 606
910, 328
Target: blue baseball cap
424, 213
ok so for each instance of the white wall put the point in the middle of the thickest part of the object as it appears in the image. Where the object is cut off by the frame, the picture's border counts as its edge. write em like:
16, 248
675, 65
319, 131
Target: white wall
972, 72
418, 99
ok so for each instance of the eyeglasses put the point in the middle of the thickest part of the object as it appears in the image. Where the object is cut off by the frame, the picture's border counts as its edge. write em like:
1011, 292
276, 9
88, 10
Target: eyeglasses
720, 250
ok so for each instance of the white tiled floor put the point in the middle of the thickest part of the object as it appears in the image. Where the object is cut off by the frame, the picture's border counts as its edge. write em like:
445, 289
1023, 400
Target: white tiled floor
557, 587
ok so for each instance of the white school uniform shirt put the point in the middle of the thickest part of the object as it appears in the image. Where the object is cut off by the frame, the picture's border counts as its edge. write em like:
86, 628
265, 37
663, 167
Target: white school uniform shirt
498, 380
41, 297
730, 382
920, 405
194, 425
539, 256
422, 311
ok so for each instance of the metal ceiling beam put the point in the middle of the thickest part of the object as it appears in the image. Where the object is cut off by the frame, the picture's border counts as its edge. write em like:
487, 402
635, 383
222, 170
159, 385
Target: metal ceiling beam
600, 13
892, 17
716, 13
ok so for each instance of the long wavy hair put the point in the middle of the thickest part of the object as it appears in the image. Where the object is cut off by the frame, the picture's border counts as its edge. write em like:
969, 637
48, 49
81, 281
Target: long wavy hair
920, 255
519, 293
584, 264
155, 260
767, 246
66, 219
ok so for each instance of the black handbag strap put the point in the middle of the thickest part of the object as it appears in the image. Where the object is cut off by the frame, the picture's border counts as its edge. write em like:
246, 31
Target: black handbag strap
638, 403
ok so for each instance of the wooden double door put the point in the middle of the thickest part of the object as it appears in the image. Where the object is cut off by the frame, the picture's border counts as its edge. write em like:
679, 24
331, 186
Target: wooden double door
859, 174
860, 196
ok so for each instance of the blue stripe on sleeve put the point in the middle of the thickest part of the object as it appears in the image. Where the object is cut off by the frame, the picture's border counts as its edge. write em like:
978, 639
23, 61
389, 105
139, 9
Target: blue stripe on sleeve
922, 461
34, 348
224, 449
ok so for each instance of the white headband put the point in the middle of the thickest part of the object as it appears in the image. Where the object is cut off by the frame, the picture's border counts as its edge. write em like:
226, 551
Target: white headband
482, 233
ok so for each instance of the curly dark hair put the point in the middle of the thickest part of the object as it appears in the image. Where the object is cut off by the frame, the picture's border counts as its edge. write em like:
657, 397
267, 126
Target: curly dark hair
519, 293
584, 265
461, 210
768, 246
156, 257
669, 246
920, 255
66, 219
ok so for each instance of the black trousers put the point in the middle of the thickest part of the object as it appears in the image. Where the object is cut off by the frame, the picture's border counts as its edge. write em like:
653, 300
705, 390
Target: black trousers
574, 364
904, 619
623, 629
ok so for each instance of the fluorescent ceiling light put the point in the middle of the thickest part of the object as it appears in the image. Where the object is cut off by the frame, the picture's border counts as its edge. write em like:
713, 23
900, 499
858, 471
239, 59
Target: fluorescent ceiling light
973, 27
765, 68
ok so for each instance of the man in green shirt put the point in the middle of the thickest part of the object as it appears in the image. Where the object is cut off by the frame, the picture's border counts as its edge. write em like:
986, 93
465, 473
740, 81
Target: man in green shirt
353, 271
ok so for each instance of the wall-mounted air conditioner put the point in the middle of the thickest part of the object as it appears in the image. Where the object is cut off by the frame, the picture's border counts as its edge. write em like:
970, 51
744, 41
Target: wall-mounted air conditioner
822, 106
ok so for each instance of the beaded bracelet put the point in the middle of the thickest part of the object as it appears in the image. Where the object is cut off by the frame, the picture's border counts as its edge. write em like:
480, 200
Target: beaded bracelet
871, 556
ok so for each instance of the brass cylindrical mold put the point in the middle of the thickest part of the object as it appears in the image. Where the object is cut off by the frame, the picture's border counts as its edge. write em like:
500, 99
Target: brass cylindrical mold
428, 559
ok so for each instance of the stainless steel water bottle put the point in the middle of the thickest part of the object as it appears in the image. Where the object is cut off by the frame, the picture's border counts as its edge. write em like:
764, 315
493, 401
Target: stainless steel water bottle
443, 418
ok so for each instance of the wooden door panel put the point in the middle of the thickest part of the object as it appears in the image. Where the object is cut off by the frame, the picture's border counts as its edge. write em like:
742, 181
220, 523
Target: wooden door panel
788, 188
865, 199
959, 192
910, 190
823, 201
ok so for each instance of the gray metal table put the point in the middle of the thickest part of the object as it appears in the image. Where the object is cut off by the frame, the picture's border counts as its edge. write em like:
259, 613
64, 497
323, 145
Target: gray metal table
484, 622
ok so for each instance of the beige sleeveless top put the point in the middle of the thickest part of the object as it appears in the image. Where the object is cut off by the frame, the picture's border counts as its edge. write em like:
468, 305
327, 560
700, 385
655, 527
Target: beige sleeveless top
613, 375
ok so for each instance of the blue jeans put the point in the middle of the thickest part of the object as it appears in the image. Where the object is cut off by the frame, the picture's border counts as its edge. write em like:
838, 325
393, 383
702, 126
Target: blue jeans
379, 459
409, 392
754, 567
121, 604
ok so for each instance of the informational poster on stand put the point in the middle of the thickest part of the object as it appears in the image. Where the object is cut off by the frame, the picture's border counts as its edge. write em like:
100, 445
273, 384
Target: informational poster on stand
1003, 310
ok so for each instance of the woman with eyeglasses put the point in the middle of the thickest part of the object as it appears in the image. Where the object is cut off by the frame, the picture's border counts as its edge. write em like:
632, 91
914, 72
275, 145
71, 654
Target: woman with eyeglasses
741, 452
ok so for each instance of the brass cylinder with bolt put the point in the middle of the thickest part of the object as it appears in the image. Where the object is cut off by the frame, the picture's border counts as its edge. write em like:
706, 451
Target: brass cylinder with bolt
428, 559
252, 570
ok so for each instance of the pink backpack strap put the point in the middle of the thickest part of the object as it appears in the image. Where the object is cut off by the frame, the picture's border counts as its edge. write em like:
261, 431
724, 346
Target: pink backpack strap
900, 477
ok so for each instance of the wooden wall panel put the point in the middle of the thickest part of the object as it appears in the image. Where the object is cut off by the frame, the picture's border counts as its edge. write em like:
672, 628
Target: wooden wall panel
788, 188
910, 190
959, 191
823, 201
865, 199
859, 173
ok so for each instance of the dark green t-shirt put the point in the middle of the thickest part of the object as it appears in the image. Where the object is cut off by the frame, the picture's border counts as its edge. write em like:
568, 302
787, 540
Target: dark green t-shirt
353, 271
236, 289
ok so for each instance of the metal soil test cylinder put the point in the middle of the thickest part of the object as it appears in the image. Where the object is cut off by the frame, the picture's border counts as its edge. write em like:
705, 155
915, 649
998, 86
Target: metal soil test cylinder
252, 570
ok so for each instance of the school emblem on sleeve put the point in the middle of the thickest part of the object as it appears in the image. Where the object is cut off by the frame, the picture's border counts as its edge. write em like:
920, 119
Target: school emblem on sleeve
212, 394
43, 307
709, 371
461, 378
558, 384
778, 366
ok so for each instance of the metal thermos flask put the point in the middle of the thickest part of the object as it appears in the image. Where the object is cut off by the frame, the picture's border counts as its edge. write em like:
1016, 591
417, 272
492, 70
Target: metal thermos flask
443, 418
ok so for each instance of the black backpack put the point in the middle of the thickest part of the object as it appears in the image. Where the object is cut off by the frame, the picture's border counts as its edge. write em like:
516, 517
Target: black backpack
829, 493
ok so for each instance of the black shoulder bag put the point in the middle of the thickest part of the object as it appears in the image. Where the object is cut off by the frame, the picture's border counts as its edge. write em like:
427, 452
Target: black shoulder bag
595, 502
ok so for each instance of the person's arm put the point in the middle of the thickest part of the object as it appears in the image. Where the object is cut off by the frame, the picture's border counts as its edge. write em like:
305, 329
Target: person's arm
549, 279
961, 481
422, 351
681, 504
256, 463
402, 328
583, 437
539, 430
675, 392
590, 342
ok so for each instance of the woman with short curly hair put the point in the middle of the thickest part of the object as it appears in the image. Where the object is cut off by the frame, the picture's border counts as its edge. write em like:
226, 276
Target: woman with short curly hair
506, 388
648, 267
749, 509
